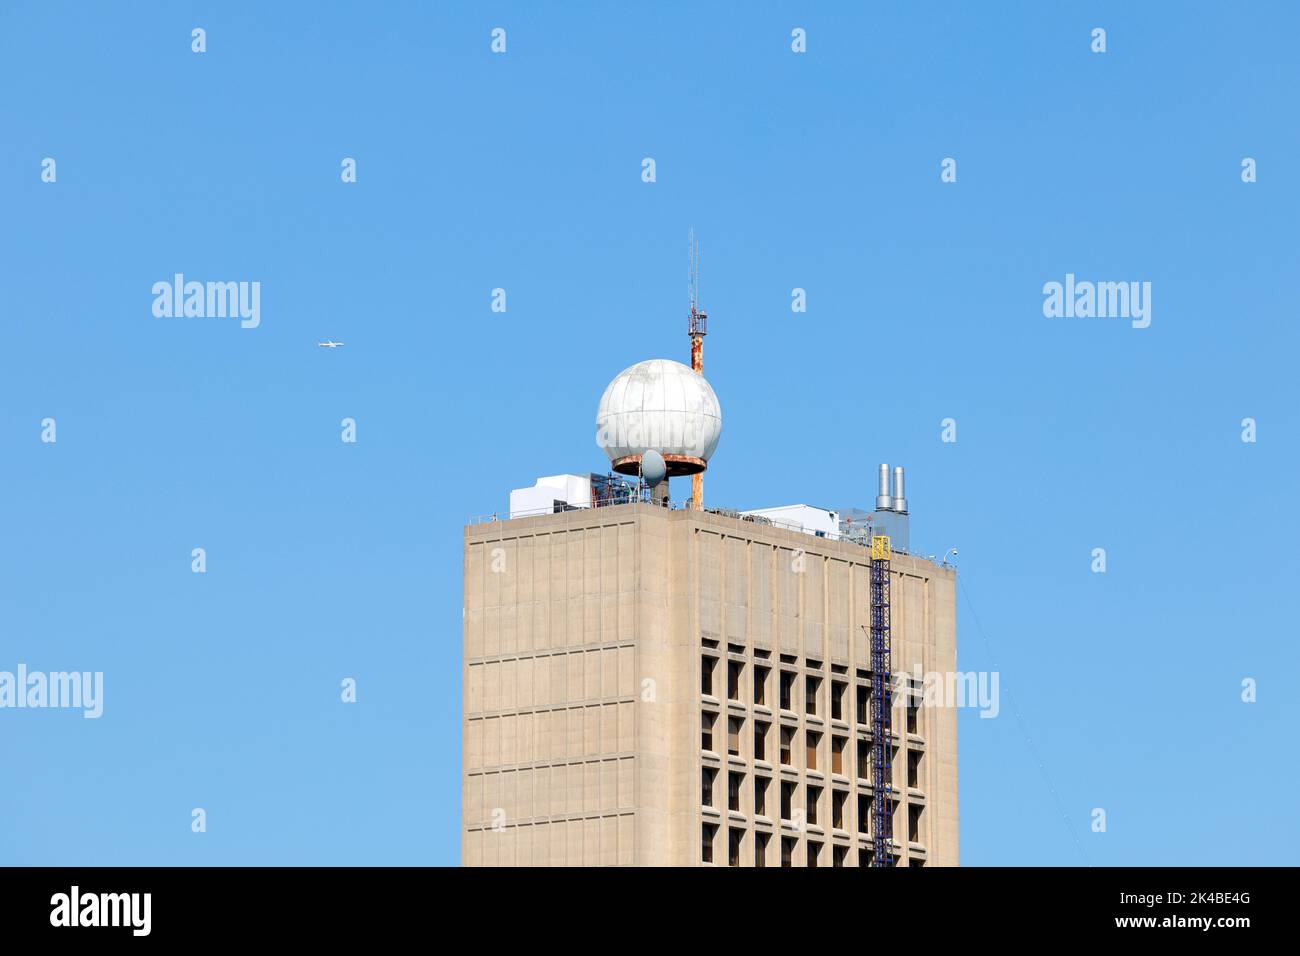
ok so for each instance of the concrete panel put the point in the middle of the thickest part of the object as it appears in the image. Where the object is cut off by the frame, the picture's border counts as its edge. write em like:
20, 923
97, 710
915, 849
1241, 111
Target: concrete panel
593, 749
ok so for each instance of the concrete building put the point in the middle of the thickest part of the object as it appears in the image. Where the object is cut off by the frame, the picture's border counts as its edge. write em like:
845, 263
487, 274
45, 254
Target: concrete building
650, 686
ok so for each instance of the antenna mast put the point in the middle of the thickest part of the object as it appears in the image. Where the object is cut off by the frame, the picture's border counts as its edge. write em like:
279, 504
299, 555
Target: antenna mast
697, 329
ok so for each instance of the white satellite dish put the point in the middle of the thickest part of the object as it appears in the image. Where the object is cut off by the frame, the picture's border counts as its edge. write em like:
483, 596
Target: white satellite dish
653, 467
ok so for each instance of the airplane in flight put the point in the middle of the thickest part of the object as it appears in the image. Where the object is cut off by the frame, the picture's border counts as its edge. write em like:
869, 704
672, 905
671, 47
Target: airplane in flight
330, 345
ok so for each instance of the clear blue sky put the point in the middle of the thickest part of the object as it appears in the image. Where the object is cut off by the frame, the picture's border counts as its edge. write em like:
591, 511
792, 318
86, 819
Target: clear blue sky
522, 171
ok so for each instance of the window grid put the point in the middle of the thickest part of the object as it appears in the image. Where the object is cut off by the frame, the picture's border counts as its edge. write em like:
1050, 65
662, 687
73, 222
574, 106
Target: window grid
803, 691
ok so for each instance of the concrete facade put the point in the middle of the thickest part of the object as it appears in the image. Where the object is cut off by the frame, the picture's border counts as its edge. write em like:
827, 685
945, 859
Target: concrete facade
617, 658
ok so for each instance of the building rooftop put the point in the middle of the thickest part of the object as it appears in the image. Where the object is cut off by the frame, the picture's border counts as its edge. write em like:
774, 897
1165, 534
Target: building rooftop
582, 514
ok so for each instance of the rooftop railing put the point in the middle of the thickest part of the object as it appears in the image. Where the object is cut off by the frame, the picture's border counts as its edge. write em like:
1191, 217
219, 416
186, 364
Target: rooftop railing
861, 539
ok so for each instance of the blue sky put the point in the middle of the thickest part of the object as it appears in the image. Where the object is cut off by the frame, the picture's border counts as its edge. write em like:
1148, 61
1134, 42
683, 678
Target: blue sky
522, 171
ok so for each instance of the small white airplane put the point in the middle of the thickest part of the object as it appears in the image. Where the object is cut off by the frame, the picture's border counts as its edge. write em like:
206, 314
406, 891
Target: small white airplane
330, 345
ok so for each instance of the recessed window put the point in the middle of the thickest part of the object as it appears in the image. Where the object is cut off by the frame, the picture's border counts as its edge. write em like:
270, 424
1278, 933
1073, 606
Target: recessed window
837, 699
838, 799
760, 849
760, 796
912, 721
787, 690
814, 854
787, 851
787, 742
841, 854
811, 686
760, 740
734, 727
760, 685
734, 838
814, 798
914, 768
707, 776
837, 754
707, 720
707, 833
734, 782
864, 704
864, 760
707, 666
864, 813
914, 811
734, 671
814, 739
787, 799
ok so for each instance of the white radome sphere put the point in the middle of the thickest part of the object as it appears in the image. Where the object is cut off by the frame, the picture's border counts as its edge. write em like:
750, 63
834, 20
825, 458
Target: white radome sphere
662, 405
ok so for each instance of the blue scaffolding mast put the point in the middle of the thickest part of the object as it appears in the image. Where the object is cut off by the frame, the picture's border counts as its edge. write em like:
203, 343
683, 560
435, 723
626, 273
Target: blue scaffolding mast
882, 804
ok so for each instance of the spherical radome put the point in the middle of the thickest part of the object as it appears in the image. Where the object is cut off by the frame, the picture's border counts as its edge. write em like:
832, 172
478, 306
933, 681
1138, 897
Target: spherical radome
662, 405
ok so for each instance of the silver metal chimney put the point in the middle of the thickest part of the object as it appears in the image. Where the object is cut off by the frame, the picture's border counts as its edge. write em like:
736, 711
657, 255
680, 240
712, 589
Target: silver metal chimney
900, 496
882, 497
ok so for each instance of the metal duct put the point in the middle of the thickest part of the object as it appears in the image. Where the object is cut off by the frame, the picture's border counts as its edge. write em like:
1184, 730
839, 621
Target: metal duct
883, 502
900, 496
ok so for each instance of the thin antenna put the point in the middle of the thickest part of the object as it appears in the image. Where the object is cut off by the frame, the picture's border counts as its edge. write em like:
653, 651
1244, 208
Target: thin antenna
697, 277
698, 320
693, 273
